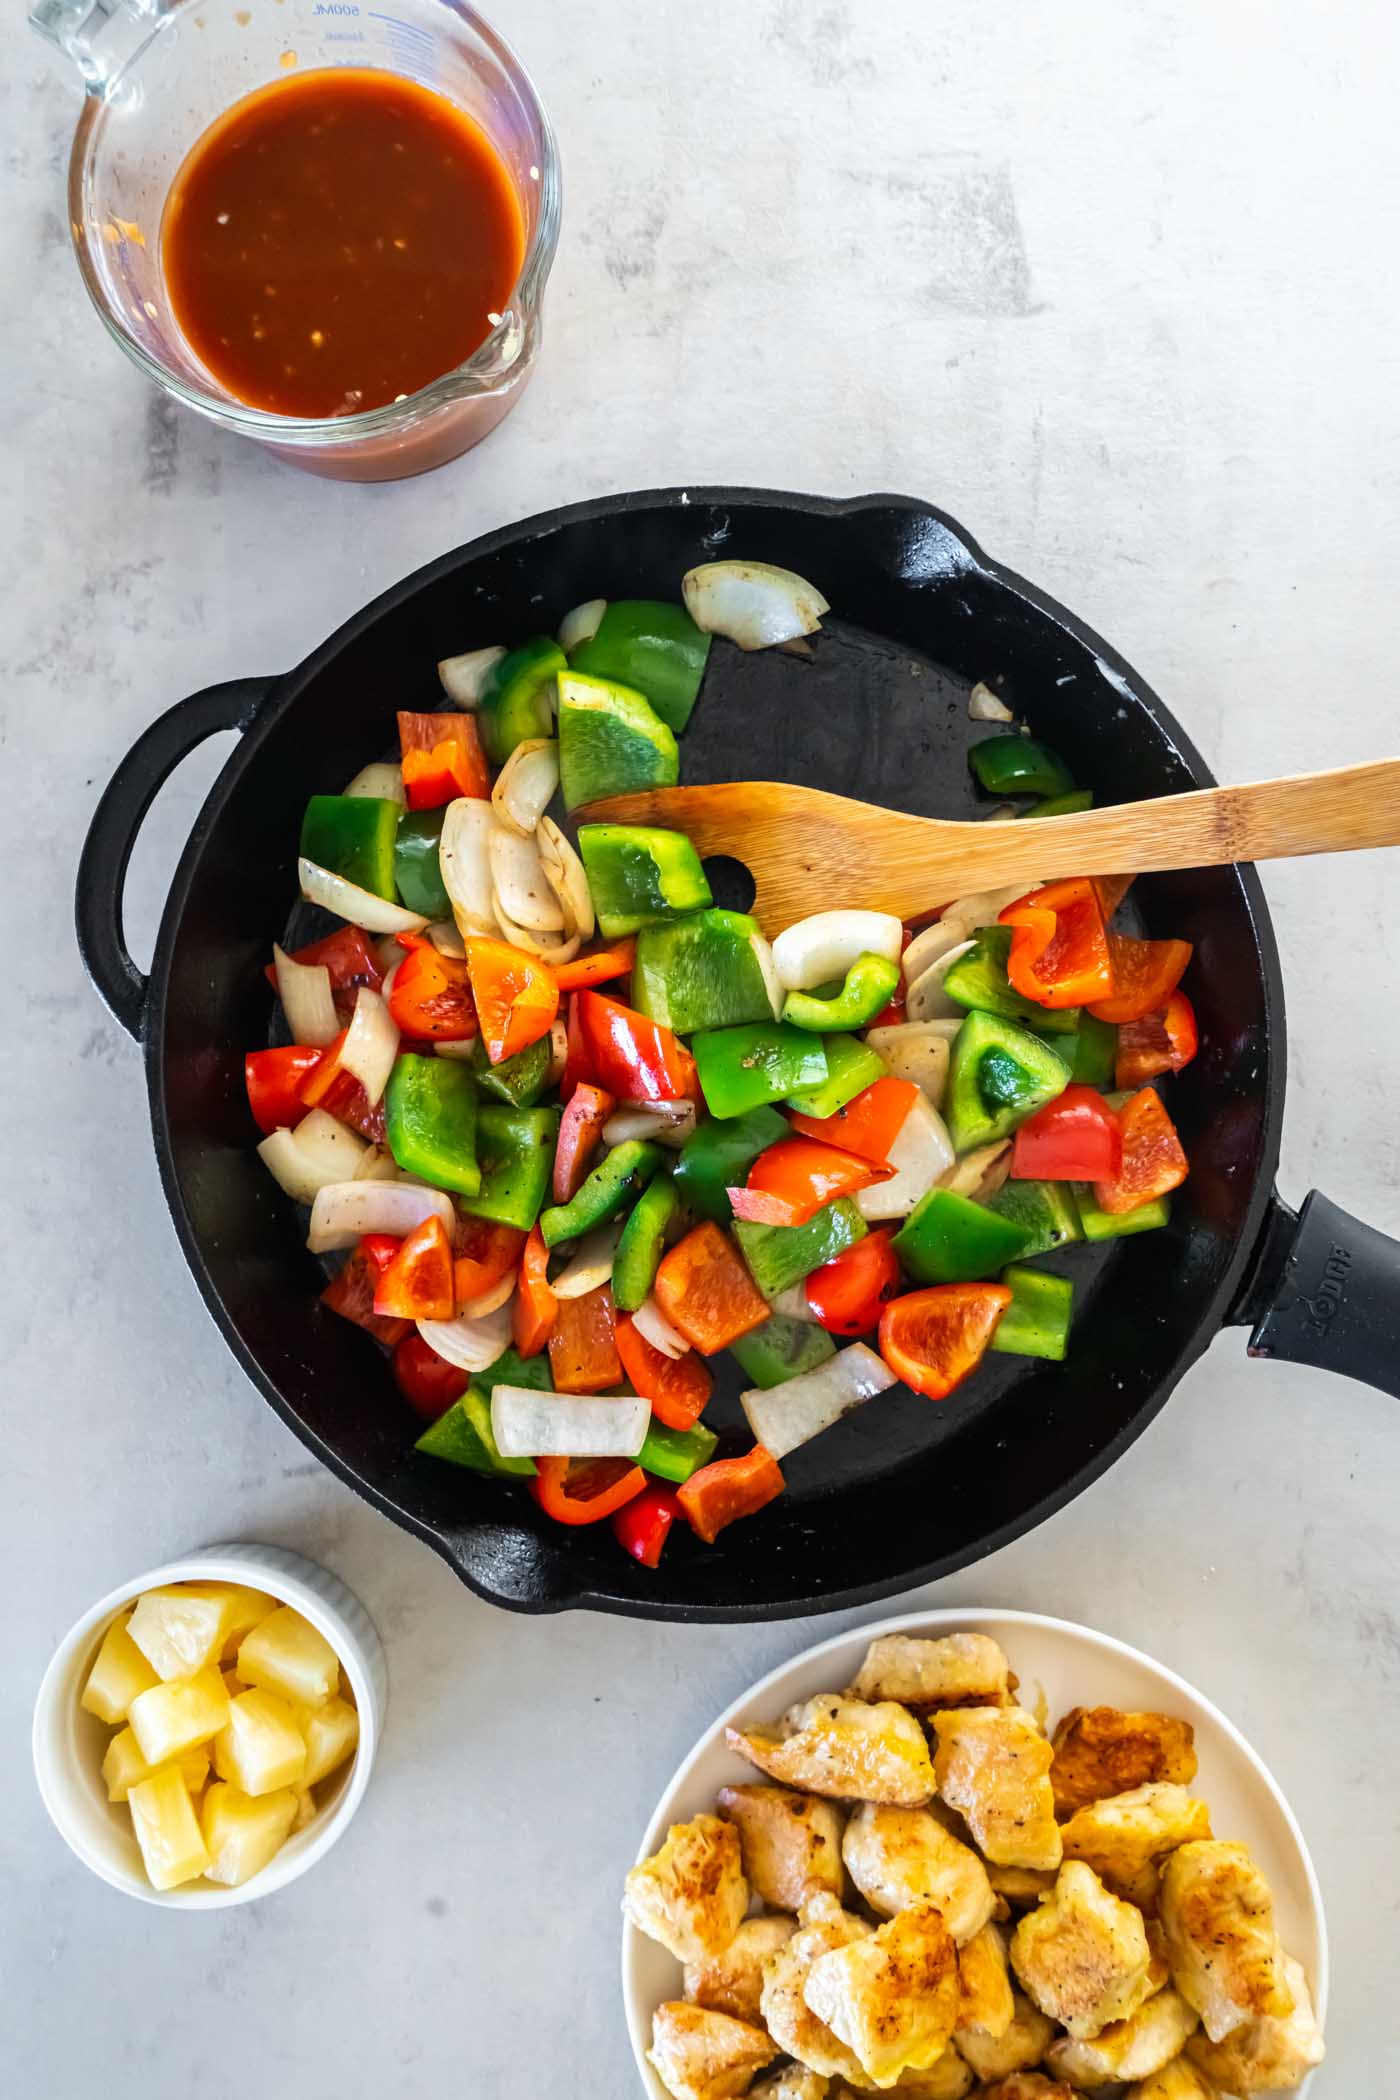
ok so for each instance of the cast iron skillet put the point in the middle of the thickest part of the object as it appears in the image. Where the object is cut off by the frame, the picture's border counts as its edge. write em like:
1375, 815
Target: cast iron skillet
906, 1490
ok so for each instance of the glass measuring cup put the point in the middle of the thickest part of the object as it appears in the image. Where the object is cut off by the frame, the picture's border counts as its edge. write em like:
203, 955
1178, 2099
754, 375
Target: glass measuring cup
158, 72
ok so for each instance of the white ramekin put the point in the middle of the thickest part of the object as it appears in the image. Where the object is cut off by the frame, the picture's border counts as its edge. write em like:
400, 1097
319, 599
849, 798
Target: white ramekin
69, 1743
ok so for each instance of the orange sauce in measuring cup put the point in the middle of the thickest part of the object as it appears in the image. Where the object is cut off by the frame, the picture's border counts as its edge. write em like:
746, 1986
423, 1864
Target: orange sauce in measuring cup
339, 240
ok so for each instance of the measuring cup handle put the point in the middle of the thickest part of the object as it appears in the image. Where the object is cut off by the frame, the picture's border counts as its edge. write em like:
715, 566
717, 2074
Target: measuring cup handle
117, 820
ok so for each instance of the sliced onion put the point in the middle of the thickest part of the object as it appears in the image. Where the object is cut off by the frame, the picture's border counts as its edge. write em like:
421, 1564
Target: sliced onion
824, 946
662, 1122
793, 1304
999, 813
464, 857
462, 1052
519, 891
590, 1265
526, 783
489, 1301
471, 1344
558, 1051
446, 939
305, 992
381, 781
550, 948
926, 999
784, 1416
318, 1152
980, 1173
768, 970
928, 947
371, 1043
378, 1164
917, 1050
984, 706
348, 901
654, 1327
581, 624
752, 603
564, 873
386, 990
918, 1155
345, 1210
528, 1424
464, 677
983, 907
389, 953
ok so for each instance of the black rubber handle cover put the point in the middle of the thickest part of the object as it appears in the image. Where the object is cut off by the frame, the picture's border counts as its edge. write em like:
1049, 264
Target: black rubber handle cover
1327, 1292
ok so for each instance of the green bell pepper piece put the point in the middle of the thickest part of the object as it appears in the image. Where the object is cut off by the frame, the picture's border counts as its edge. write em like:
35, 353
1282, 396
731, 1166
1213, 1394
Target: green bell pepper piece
1062, 806
1094, 1045
638, 1255
702, 971
779, 1255
611, 741
851, 1066
655, 648
743, 1068
417, 869
1044, 1209
1036, 1322
516, 1149
464, 1437
1099, 1224
1019, 765
780, 1349
609, 1188
948, 1238
674, 1454
430, 1113
637, 874
868, 987
518, 1080
353, 836
716, 1157
515, 697
1000, 1074
978, 980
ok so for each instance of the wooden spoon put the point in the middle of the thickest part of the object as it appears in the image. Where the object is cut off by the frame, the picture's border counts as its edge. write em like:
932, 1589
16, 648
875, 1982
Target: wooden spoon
809, 851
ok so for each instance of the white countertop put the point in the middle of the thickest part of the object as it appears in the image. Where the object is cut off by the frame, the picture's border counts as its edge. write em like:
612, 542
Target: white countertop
1116, 282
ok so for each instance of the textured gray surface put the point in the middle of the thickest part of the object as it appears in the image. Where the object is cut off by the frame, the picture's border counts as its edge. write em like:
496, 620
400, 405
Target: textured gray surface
1116, 282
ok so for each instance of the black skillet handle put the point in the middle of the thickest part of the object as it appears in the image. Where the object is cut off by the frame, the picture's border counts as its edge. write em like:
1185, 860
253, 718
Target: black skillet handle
1326, 1291
117, 820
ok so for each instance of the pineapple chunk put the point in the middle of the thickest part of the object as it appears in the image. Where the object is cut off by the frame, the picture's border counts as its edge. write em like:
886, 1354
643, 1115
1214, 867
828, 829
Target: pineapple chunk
244, 1609
241, 1834
285, 1654
261, 1747
170, 1718
177, 1630
124, 1767
119, 1674
331, 1732
306, 1809
166, 1828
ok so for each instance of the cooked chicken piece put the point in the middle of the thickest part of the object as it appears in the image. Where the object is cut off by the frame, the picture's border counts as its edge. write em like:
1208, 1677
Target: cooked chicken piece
891, 1998
822, 1926
841, 1747
701, 2055
1026, 2085
984, 1984
899, 1856
1021, 1887
1020, 2048
1100, 1750
1124, 1836
795, 2083
949, 2079
1082, 1955
1159, 1974
962, 1669
732, 1982
1132, 2048
691, 1895
1218, 1916
1178, 2080
791, 1842
991, 1765
1267, 2055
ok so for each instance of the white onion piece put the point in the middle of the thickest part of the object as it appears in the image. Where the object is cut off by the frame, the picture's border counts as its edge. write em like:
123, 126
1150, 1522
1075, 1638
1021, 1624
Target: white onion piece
519, 891
386, 990
927, 947
581, 624
378, 1164
918, 1051
794, 1304
464, 677
983, 907
318, 1152
527, 1424
784, 1416
661, 1122
752, 603
305, 992
549, 948
999, 813
464, 857
768, 970
388, 952
526, 783
462, 1052
563, 872
558, 1051
348, 901
381, 781
918, 1155
980, 1173
926, 999
471, 1344
590, 1264
289, 1166
489, 1301
984, 706
654, 1327
446, 939
824, 946
371, 1043
345, 1210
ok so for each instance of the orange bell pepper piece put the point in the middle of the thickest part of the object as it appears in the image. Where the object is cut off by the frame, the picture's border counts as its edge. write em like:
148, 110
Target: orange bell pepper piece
933, 1338
485, 1253
792, 1180
729, 1488
868, 1125
677, 1386
601, 967
430, 998
1163, 1041
417, 1284
585, 1490
583, 1354
442, 759
1060, 953
351, 1292
1145, 974
706, 1292
328, 1086
516, 997
1153, 1159
536, 1307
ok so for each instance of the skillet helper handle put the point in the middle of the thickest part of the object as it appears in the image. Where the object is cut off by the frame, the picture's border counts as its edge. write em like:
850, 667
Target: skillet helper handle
117, 821
1327, 1292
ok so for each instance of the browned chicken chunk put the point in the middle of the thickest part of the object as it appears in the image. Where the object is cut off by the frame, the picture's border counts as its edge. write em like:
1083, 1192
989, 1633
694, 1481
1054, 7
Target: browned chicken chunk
691, 1895
1217, 1914
1100, 1750
822, 1926
984, 1984
843, 1748
791, 1842
732, 1982
1272, 2054
892, 1998
1178, 2080
899, 1856
701, 2055
1132, 2048
1123, 1837
1019, 2048
991, 1765
1083, 1955
961, 1669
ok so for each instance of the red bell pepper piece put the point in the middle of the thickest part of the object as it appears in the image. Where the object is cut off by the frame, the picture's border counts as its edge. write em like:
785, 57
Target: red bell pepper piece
585, 1490
536, 1307
351, 1292
868, 1125
847, 1296
729, 1488
349, 957
601, 967
583, 1354
273, 1079
430, 998
933, 1338
1059, 944
1163, 1041
484, 1255
706, 1292
1075, 1137
642, 1526
341, 1095
794, 1179
677, 1386
417, 1283
428, 1382
516, 997
1153, 1159
580, 1133
442, 759
577, 1067
632, 1057
1145, 974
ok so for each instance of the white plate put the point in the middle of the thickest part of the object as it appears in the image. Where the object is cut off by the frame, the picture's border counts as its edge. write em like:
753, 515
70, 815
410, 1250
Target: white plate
1072, 1666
